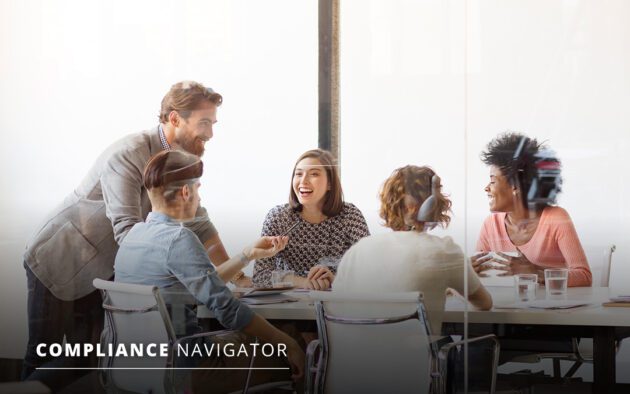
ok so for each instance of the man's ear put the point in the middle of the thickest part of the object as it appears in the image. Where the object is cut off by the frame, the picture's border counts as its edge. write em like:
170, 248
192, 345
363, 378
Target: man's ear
186, 192
173, 118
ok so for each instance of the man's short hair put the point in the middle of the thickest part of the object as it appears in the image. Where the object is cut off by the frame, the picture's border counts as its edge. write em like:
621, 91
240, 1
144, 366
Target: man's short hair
184, 97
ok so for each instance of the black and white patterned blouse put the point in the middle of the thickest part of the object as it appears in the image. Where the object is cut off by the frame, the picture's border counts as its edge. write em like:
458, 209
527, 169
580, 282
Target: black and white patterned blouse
309, 244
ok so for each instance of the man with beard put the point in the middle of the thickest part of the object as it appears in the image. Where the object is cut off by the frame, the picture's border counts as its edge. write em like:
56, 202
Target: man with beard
79, 239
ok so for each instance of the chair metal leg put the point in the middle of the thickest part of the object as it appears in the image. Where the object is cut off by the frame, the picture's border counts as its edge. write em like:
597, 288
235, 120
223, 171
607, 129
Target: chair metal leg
557, 372
249, 372
576, 365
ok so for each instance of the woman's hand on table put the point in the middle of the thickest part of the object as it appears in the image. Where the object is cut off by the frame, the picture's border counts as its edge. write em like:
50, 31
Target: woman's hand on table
312, 284
320, 272
482, 262
517, 265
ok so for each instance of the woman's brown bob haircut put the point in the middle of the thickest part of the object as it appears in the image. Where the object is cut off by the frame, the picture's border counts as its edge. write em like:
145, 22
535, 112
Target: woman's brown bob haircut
171, 169
333, 200
416, 182
185, 97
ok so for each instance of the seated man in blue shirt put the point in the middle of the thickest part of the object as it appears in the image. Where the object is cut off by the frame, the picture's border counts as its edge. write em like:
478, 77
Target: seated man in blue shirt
163, 252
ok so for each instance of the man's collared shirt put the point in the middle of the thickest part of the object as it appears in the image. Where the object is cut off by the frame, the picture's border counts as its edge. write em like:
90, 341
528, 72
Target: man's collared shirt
164, 253
163, 140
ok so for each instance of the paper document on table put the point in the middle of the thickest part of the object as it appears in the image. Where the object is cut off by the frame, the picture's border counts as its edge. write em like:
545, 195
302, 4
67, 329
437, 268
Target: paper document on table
544, 304
618, 301
556, 304
620, 298
259, 291
268, 299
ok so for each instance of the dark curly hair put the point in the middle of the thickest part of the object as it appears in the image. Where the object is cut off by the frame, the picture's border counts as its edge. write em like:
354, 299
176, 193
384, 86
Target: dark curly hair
519, 172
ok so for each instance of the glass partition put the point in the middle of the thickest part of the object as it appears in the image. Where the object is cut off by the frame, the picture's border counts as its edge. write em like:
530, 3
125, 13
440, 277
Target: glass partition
554, 71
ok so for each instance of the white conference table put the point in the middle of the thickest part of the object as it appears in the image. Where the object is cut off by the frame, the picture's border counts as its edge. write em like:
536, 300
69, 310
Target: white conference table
592, 320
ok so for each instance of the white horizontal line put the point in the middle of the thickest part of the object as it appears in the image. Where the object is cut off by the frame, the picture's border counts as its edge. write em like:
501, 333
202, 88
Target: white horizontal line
134, 368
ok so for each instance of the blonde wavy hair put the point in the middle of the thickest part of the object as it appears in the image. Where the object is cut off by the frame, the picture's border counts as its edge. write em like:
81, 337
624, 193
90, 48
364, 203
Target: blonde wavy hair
415, 182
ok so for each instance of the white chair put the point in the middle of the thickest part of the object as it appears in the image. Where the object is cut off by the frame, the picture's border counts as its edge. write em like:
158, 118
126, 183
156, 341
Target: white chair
377, 343
137, 314
607, 265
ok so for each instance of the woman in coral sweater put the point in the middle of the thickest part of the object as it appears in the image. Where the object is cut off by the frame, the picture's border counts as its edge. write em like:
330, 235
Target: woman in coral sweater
524, 181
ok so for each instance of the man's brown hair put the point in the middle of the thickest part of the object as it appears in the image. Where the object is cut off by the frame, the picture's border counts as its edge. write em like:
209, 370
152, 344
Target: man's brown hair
170, 170
184, 97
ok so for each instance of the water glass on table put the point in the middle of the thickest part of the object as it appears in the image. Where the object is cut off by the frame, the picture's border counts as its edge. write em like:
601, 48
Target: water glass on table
281, 278
525, 286
556, 280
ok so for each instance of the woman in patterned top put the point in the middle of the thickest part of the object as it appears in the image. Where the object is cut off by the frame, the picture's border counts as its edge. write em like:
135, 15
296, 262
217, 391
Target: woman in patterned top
325, 225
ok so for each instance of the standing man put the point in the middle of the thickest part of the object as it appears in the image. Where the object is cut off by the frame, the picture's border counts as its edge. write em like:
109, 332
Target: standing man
79, 239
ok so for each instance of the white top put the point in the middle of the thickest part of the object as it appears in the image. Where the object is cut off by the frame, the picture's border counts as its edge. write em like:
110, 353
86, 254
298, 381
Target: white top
407, 261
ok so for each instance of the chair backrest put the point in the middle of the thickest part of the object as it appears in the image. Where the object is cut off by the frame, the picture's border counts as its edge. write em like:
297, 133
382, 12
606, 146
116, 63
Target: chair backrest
607, 265
135, 316
373, 343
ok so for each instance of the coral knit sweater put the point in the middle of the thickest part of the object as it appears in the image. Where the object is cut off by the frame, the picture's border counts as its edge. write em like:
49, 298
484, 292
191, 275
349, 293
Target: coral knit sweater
555, 244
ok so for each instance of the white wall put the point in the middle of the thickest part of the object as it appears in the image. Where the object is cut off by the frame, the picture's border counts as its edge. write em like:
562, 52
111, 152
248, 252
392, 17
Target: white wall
77, 75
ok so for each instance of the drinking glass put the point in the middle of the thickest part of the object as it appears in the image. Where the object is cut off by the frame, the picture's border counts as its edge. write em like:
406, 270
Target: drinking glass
525, 286
281, 278
556, 280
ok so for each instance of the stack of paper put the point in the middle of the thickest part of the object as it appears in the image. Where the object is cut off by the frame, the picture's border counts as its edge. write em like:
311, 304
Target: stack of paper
544, 304
268, 299
618, 300
556, 304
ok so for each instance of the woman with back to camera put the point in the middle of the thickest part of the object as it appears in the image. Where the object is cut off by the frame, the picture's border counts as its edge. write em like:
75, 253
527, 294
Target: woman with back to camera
322, 226
409, 258
541, 233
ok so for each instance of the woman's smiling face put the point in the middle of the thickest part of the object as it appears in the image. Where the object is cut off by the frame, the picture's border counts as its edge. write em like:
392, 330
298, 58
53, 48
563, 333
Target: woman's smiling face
310, 182
501, 197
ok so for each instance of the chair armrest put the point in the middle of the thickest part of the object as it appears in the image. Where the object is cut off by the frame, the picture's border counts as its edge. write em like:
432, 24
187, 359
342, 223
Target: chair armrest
312, 368
446, 348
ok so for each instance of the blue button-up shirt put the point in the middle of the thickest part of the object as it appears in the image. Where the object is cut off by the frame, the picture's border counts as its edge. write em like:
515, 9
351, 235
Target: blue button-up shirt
162, 252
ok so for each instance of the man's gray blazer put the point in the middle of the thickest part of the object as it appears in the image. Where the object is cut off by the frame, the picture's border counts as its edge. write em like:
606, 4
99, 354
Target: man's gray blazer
79, 240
